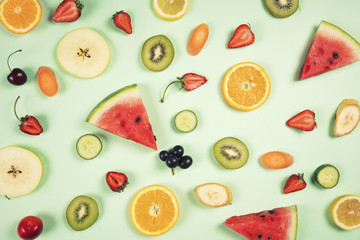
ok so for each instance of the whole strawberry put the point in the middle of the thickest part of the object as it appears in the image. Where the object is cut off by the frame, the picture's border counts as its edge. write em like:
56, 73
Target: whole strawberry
29, 124
122, 20
189, 82
68, 11
243, 36
116, 181
295, 183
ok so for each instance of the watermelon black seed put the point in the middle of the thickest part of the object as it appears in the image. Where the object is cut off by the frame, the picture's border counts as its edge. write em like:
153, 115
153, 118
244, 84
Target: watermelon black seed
137, 119
259, 236
262, 216
335, 55
271, 211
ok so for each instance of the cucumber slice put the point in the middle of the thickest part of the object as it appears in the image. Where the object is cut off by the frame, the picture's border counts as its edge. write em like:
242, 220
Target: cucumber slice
327, 176
186, 121
88, 146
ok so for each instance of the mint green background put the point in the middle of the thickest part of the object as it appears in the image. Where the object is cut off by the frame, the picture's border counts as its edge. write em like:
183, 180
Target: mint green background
280, 47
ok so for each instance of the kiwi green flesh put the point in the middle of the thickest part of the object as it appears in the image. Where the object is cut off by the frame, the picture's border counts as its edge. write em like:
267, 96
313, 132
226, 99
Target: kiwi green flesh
82, 212
281, 8
231, 153
157, 53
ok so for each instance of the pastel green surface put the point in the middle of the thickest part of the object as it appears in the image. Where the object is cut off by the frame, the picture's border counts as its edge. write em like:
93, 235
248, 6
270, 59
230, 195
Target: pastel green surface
280, 47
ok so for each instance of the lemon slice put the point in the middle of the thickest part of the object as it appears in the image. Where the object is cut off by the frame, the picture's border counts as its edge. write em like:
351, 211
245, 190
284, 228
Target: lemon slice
170, 9
345, 211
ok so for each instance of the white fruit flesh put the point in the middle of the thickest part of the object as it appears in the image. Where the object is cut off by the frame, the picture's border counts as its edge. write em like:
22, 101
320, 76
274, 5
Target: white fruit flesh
213, 194
20, 171
347, 117
73, 58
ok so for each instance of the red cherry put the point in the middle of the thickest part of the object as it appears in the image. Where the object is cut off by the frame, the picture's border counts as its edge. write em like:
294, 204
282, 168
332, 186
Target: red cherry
30, 227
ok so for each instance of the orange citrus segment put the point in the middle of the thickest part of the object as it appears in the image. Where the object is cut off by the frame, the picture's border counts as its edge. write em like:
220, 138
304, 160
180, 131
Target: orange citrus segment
154, 210
246, 86
170, 9
345, 211
20, 16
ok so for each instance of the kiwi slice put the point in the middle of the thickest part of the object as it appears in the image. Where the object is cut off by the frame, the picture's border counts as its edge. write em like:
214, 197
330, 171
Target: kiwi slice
281, 8
231, 153
82, 212
157, 53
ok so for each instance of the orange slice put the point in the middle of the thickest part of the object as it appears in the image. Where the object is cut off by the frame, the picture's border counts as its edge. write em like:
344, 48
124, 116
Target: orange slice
246, 86
170, 10
345, 211
154, 210
20, 16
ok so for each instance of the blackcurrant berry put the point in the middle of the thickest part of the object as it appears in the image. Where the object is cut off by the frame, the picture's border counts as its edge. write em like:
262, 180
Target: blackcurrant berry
185, 162
172, 161
178, 151
163, 155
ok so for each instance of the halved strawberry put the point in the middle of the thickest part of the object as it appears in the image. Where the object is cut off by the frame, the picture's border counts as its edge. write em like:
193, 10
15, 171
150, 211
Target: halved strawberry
117, 181
243, 36
68, 11
189, 82
294, 183
29, 124
123, 21
304, 121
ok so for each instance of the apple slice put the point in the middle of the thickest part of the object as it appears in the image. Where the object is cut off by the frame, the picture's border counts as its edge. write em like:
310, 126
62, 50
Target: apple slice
20, 171
84, 53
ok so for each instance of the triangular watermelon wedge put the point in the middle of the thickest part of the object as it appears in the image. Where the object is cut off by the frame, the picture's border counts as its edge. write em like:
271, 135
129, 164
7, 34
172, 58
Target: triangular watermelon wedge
123, 113
276, 224
331, 48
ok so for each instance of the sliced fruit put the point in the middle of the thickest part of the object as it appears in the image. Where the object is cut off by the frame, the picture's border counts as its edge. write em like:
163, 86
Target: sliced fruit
304, 121
88, 146
279, 223
21, 171
47, 81
116, 181
157, 53
231, 153
331, 48
246, 86
68, 11
123, 113
345, 211
189, 82
20, 16
243, 36
83, 53
198, 39
29, 124
170, 9
185, 121
327, 176
82, 212
155, 204
294, 183
213, 194
347, 117
277, 160
281, 8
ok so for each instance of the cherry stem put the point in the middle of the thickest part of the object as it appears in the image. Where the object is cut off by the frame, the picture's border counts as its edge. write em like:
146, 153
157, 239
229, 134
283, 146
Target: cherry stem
163, 96
15, 108
10, 56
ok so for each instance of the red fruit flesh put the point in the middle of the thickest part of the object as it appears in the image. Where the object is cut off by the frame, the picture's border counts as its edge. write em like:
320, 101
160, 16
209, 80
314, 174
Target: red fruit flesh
294, 183
304, 121
243, 36
68, 11
30, 227
123, 21
29, 124
116, 181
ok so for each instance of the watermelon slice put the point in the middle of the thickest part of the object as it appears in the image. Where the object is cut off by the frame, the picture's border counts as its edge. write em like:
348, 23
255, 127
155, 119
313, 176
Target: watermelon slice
123, 113
276, 224
331, 48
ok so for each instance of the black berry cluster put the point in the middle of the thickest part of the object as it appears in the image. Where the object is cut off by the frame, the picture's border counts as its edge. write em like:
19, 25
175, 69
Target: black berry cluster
175, 157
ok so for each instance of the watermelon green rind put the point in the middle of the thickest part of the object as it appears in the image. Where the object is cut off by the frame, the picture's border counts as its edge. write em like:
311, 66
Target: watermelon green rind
329, 39
276, 224
91, 118
123, 113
